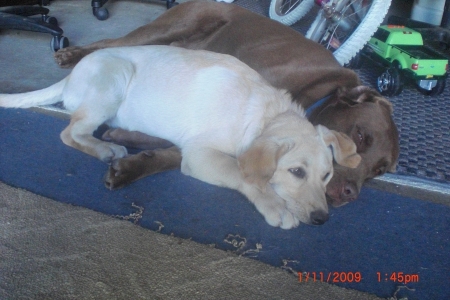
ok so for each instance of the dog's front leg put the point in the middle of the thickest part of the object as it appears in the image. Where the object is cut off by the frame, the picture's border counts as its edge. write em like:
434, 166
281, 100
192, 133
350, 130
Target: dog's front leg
131, 168
218, 168
271, 206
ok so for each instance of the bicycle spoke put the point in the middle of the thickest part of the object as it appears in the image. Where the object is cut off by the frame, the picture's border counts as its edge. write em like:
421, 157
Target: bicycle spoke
338, 31
288, 6
342, 26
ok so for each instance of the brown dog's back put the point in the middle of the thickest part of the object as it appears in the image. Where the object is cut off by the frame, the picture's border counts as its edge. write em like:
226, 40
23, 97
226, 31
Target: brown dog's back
274, 50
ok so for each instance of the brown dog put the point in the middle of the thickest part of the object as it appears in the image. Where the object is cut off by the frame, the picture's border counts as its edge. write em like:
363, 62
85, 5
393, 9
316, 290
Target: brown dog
287, 60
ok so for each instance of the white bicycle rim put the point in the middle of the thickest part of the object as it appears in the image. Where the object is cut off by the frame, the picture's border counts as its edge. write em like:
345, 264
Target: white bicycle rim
356, 41
291, 16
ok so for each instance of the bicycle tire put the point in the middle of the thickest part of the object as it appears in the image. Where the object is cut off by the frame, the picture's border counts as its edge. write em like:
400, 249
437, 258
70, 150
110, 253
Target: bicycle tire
275, 11
359, 37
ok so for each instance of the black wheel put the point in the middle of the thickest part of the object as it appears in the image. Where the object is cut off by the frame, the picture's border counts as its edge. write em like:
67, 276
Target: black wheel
390, 82
171, 3
444, 45
437, 90
101, 13
50, 20
59, 42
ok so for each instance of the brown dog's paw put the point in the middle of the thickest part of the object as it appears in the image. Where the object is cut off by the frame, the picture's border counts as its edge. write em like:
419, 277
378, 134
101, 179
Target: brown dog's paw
126, 170
69, 57
131, 168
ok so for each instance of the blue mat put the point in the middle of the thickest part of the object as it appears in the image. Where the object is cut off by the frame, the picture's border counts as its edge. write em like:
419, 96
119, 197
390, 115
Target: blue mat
379, 242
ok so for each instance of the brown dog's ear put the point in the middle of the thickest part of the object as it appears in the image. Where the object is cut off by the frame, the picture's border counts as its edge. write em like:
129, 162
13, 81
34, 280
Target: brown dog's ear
356, 95
360, 94
343, 148
259, 162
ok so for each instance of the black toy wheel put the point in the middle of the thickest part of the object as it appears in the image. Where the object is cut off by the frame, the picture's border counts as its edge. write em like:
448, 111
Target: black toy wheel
50, 20
59, 42
101, 13
170, 3
444, 46
437, 90
390, 82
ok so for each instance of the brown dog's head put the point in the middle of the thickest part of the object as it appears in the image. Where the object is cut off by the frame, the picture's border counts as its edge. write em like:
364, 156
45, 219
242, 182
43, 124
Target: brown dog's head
365, 116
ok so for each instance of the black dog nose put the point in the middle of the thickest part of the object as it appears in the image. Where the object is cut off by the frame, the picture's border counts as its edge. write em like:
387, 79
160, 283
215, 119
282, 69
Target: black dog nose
318, 217
350, 192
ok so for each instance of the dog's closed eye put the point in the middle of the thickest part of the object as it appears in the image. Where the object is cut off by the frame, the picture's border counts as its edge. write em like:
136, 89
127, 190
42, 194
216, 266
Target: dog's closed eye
298, 172
326, 177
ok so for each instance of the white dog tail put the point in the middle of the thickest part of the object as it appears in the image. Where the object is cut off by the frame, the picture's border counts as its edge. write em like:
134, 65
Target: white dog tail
46, 96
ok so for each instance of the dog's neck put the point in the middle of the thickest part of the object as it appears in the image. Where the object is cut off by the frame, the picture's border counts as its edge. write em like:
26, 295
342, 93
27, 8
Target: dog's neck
316, 109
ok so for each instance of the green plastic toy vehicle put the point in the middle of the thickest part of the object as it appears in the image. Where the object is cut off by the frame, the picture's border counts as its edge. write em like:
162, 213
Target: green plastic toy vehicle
401, 51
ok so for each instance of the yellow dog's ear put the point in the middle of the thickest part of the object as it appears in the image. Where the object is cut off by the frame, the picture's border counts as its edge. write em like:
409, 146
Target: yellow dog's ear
259, 162
343, 148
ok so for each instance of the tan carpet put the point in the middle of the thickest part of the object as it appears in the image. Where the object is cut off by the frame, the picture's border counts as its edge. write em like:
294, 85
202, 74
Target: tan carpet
51, 250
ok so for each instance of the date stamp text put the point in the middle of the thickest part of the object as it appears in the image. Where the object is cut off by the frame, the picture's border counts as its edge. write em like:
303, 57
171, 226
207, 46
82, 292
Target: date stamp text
350, 277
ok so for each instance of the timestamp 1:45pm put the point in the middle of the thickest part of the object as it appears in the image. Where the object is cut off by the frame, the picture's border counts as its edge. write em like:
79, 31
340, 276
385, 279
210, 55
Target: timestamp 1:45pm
399, 277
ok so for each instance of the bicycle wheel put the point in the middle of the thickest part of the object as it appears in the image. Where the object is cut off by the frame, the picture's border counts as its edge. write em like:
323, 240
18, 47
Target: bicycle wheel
344, 26
289, 11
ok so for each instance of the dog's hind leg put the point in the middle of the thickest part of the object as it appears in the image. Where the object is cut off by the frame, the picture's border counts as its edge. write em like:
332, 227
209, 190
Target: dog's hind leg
95, 91
182, 25
79, 136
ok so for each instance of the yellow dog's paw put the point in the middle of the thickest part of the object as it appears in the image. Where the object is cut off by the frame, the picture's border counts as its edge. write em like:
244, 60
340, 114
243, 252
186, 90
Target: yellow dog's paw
283, 219
276, 214
107, 152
